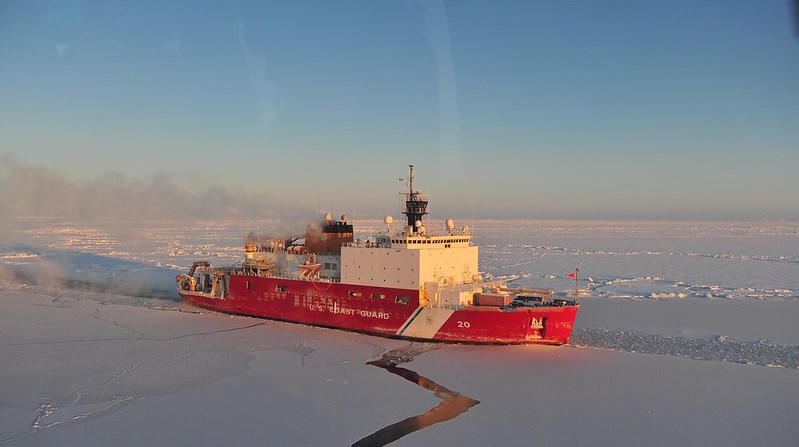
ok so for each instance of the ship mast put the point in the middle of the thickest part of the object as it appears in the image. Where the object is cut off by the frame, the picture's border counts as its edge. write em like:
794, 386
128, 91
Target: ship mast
415, 205
410, 181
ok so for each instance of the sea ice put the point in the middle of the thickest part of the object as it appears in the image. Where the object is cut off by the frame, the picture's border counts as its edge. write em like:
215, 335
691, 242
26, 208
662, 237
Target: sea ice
98, 349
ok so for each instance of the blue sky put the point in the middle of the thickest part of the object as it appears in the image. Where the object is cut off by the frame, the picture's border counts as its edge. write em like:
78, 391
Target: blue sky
526, 109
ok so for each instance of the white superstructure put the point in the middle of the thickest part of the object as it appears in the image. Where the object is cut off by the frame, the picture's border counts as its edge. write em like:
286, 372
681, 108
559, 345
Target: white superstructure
411, 261
442, 266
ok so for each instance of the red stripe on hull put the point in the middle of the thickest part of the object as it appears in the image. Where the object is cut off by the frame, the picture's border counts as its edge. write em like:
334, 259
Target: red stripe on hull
493, 325
376, 310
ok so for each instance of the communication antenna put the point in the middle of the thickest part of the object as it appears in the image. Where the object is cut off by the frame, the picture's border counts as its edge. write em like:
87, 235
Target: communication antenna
415, 204
410, 178
576, 276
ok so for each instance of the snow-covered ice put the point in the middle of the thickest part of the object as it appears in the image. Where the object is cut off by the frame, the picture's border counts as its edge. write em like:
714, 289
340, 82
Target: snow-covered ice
687, 335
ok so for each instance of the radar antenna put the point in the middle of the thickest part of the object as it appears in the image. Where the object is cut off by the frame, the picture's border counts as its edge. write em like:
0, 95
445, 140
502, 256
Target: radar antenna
415, 205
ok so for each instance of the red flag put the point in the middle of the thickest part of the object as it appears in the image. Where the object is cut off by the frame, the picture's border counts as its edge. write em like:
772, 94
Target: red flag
572, 275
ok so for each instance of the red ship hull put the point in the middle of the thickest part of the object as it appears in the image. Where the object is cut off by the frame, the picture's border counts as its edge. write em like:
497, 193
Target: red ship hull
387, 311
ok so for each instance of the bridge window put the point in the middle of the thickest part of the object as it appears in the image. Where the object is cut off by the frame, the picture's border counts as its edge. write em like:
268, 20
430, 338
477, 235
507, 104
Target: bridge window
280, 288
378, 296
402, 299
355, 293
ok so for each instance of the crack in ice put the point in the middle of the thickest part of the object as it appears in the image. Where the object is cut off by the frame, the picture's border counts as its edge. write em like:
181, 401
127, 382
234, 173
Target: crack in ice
451, 406
177, 337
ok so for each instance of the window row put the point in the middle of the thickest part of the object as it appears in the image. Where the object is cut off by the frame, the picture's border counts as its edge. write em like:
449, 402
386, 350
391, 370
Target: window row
429, 241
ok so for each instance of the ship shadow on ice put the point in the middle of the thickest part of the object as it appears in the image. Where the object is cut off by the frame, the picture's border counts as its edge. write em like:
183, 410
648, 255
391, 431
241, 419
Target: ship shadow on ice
452, 403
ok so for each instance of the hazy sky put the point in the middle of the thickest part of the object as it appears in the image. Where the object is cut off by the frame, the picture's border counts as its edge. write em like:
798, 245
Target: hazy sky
526, 109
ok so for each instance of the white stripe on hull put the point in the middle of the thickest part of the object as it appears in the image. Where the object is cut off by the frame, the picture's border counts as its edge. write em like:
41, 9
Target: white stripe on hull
425, 322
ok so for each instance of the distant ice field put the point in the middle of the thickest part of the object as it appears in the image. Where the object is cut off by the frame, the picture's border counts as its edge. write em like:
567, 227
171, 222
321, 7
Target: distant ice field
616, 259
638, 260
650, 260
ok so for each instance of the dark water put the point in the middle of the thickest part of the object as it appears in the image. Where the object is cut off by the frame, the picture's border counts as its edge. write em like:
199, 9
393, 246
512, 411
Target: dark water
452, 403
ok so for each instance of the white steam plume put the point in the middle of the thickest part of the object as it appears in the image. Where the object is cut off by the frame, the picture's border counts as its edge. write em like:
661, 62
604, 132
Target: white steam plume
37, 191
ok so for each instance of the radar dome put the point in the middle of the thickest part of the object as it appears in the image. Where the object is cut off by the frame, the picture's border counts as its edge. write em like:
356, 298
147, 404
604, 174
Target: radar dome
450, 224
389, 220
